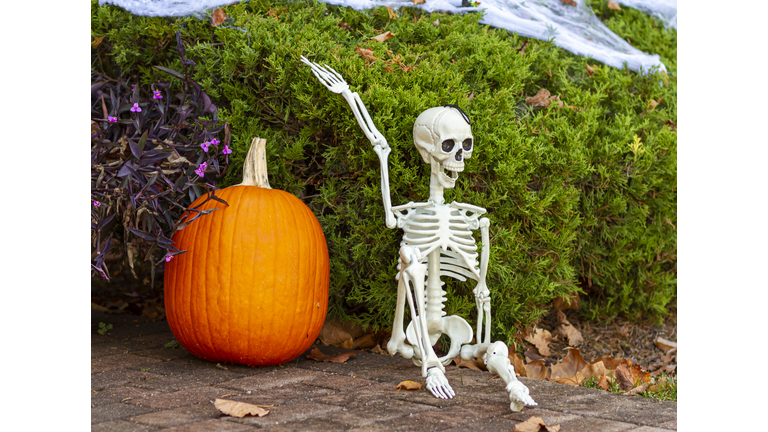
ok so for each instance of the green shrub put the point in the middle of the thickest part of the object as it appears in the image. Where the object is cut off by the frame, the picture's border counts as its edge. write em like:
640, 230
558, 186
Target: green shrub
542, 174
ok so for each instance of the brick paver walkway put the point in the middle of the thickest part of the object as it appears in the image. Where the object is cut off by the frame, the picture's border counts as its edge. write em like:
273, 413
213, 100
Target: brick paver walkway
138, 384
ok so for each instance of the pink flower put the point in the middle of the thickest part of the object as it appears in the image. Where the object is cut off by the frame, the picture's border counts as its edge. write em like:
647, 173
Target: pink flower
157, 94
227, 150
168, 258
215, 141
205, 146
112, 119
201, 169
97, 204
136, 108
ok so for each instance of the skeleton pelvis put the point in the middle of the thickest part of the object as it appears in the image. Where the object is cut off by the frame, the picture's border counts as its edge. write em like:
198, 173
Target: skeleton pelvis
454, 326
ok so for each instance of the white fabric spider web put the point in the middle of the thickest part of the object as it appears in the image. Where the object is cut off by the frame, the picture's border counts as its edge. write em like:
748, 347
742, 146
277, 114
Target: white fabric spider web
574, 28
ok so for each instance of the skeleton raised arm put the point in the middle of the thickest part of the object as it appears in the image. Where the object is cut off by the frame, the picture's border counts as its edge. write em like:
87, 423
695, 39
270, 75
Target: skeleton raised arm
335, 83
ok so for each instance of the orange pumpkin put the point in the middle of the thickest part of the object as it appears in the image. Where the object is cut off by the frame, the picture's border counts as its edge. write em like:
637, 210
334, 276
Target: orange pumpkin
252, 287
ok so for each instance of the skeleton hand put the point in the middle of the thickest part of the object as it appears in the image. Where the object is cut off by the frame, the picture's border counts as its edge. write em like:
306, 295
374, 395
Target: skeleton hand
327, 76
438, 384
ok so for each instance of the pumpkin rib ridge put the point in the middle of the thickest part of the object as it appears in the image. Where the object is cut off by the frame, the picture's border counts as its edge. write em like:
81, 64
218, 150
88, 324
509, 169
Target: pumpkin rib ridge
310, 284
216, 250
195, 300
185, 293
228, 246
255, 199
278, 242
322, 275
295, 243
204, 288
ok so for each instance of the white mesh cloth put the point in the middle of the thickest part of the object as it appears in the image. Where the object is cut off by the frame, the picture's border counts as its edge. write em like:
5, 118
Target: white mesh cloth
574, 28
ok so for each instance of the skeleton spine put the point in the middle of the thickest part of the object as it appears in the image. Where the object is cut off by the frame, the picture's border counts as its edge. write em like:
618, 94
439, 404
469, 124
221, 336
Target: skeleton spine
435, 293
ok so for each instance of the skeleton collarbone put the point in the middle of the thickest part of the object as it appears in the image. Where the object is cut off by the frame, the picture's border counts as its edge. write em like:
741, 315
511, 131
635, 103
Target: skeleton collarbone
448, 227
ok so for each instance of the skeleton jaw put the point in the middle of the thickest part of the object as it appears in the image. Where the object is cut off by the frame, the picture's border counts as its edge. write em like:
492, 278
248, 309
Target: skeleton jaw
447, 180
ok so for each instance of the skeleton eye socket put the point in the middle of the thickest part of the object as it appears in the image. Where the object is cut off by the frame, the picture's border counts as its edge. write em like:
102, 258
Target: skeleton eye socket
467, 144
448, 145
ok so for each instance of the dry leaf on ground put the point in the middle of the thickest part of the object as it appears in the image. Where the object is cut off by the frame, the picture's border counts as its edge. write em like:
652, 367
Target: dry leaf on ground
638, 390
531, 354
477, 365
541, 339
377, 350
218, 17
537, 370
627, 375
603, 383
665, 344
594, 370
334, 334
408, 385
568, 370
239, 409
518, 363
568, 331
318, 355
366, 341
609, 362
613, 5
535, 424
570, 303
382, 37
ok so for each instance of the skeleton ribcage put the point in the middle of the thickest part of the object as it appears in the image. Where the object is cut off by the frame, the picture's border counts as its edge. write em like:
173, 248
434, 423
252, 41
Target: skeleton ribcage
448, 229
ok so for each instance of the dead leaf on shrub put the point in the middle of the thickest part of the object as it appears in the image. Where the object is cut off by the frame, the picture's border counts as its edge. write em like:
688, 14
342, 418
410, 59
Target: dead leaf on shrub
569, 2
665, 344
541, 339
418, 1
408, 385
318, 355
590, 70
613, 5
239, 409
392, 13
518, 363
382, 37
218, 17
540, 96
366, 53
568, 331
344, 25
569, 368
573, 301
334, 334
535, 424
537, 370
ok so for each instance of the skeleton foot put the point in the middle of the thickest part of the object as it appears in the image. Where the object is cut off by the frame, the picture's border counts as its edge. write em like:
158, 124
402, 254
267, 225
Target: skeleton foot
497, 360
437, 383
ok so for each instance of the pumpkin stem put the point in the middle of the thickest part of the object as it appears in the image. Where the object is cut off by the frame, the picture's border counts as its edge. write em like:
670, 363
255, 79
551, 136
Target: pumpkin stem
255, 166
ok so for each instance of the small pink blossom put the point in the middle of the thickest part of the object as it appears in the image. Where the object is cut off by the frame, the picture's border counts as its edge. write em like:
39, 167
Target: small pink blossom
227, 150
201, 169
157, 94
112, 119
215, 141
136, 107
97, 204
205, 146
168, 258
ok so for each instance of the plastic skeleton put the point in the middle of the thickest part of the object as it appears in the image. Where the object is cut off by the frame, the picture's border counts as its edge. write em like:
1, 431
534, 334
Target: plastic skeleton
438, 241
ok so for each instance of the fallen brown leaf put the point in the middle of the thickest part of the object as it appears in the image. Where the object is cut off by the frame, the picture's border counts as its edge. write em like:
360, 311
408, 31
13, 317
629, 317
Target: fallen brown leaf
218, 17
366, 341
665, 344
569, 367
518, 363
594, 370
239, 409
590, 70
408, 385
334, 334
531, 355
627, 375
568, 331
318, 355
570, 303
382, 37
603, 383
613, 5
609, 362
669, 356
219, 366
540, 337
377, 350
477, 365
639, 389
537, 370
535, 424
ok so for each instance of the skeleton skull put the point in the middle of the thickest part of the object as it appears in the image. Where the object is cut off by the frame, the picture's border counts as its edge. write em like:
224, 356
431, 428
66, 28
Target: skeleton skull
444, 139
